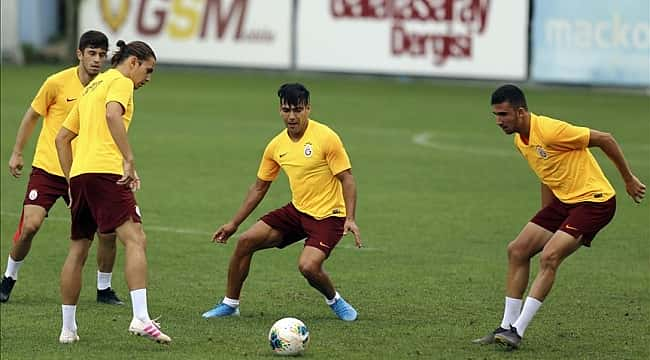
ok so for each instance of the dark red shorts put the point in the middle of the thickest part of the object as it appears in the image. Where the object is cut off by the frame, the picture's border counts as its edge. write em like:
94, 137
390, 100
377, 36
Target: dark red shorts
322, 234
584, 218
100, 204
44, 189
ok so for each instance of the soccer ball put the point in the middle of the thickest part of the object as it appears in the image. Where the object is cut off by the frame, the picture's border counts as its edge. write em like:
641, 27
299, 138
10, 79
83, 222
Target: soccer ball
289, 336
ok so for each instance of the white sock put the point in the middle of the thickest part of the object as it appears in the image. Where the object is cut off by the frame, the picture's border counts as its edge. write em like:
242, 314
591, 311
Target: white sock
103, 280
530, 308
230, 302
12, 268
510, 312
69, 317
139, 302
333, 300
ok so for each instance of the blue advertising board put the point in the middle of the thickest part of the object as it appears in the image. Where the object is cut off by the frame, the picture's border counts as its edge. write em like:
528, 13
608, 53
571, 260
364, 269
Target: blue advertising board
596, 42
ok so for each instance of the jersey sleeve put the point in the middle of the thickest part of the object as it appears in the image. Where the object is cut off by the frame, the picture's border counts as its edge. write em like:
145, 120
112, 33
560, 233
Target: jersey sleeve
45, 97
120, 91
564, 136
269, 168
336, 156
71, 122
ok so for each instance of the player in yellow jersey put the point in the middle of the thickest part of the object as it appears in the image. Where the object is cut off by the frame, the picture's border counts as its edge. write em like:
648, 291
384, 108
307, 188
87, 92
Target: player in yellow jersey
57, 96
322, 208
102, 179
577, 202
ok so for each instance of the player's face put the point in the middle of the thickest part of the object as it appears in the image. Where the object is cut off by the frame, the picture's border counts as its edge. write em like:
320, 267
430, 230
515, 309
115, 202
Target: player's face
91, 60
507, 118
142, 72
295, 117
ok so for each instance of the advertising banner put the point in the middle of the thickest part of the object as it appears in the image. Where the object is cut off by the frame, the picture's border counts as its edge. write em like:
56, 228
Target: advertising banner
446, 38
599, 42
246, 33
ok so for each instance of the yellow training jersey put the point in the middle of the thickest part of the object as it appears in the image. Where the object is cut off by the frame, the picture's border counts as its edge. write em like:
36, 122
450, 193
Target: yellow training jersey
96, 151
558, 153
311, 164
53, 102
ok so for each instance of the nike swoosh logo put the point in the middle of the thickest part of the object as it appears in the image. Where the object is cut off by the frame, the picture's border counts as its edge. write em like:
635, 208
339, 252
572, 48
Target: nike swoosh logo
570, 227
283, 154
323, 245
71, 99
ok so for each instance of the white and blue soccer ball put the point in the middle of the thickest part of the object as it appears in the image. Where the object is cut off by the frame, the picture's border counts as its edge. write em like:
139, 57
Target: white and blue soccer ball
289, 336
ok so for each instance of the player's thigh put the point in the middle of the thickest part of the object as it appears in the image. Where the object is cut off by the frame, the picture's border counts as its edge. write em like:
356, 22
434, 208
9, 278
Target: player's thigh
260, 236
559, 247
131, 233
33, 215
530, 241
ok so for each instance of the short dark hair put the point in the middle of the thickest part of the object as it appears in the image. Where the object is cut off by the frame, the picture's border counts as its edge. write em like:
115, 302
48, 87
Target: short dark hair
293, 94
511, 94
93, 39
139, 49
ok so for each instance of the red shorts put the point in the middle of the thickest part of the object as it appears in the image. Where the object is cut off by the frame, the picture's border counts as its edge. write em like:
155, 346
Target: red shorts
100, 204
584, 218
44, 189
322, 234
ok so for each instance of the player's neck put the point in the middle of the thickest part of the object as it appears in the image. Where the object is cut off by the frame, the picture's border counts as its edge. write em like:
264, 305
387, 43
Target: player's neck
524, 127
84, 77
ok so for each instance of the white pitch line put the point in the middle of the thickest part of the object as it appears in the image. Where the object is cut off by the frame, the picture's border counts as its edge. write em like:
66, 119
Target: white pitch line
182, 231
146, 227
428, 139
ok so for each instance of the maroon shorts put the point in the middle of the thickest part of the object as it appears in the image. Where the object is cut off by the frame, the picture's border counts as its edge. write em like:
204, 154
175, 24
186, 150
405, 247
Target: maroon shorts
44, 189
100, 204
322, 234
584, 218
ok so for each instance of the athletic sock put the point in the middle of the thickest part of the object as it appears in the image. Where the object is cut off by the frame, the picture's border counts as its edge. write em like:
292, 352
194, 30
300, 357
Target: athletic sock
69, 317
530, 309
12, 268
333, 300
139, 302
103, 280
230, 302
510, 312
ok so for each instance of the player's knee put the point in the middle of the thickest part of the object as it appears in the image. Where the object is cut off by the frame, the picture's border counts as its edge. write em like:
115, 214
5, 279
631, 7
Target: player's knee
309, 269
549, 260
31, 226
247, 243
517, 250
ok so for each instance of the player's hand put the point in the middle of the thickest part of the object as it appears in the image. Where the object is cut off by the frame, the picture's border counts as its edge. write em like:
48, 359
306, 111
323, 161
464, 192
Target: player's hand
16, 164
136, 183
351, 226
223, 233
130, 174
635, 188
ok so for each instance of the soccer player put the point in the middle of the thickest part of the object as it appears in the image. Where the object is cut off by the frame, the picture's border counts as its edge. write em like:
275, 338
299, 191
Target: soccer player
46, 184
322, 208
102, 179
577, 202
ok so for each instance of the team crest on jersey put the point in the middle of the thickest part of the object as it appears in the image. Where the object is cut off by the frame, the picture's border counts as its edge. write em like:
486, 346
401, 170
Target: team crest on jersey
541, 152
33, 194
308, 150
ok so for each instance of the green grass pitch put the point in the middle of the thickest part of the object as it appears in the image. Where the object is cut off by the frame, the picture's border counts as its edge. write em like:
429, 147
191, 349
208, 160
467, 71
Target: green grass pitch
441, 193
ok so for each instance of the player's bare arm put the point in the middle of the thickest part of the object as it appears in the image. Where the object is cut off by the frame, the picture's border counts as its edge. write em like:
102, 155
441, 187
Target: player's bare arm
255, 194
350, 198
606, 142
25, 130
547, 196
63, 144
114, 112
